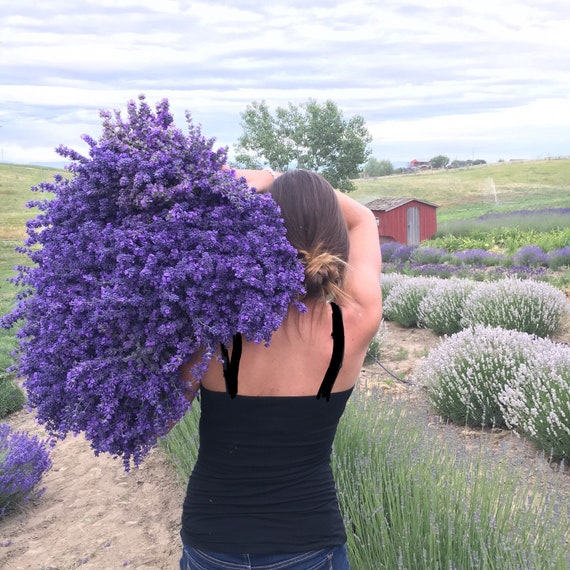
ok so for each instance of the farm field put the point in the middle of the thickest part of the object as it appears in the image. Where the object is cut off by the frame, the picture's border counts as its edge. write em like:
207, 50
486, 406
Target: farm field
93, 515
471, 192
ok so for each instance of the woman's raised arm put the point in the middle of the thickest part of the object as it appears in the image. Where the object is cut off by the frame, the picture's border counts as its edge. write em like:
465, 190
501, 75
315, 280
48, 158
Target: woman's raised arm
365, 260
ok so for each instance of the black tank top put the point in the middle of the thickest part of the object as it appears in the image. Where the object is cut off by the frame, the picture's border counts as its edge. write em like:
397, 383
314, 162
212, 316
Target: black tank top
263, 482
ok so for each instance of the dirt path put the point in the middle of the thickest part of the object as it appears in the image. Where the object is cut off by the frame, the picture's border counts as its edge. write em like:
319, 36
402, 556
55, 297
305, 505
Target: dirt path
93, 515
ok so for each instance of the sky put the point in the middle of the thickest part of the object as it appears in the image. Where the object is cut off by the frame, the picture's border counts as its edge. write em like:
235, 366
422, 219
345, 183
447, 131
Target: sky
470, 80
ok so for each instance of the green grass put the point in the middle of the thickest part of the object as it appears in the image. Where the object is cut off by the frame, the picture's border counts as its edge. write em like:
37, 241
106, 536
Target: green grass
471, 192
15, 191
15, 184
8, 259
12, 397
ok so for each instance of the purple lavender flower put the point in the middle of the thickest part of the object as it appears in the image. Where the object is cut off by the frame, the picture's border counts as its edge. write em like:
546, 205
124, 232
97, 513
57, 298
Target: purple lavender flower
531, 255
559, 258
23, 461
477, 257
148, 253
388, 249
403, 253
428, 255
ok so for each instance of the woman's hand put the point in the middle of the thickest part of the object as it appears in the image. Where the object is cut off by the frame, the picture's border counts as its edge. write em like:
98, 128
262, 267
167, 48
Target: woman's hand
261, 180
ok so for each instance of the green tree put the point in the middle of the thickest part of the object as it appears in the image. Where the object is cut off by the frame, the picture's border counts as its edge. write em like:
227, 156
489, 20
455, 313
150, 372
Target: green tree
311, 135
375, 167
439, 161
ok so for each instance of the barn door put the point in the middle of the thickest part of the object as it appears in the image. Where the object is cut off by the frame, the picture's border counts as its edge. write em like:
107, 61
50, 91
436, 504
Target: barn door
413, 214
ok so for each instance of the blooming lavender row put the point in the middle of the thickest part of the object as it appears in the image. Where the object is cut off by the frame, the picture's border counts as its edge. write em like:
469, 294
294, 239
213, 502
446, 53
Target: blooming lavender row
490, 376
529, 256
23, 461
448, 306
148, 253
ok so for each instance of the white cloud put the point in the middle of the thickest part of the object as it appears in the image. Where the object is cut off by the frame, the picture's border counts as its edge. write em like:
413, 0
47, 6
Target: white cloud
422, 74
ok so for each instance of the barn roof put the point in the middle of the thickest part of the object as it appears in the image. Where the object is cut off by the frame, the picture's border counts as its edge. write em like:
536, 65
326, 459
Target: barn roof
387, 204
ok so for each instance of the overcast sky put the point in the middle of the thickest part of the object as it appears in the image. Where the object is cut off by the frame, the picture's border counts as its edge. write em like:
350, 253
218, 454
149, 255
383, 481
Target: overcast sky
483, 79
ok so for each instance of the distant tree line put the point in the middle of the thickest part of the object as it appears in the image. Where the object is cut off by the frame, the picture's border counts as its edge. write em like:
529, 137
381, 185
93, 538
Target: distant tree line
374, 167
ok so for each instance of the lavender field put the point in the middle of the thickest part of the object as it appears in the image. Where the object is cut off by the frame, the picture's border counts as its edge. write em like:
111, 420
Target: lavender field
407, 502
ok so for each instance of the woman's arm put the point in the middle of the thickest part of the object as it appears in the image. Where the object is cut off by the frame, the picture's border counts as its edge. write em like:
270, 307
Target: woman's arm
365, 260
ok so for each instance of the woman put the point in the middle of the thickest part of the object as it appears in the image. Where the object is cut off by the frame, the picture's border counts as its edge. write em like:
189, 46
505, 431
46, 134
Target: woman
262, 494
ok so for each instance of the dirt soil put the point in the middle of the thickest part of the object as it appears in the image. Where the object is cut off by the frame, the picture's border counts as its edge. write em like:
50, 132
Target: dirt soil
93, 515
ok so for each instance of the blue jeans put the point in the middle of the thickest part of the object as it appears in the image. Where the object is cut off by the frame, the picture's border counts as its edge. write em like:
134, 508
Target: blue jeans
334, 558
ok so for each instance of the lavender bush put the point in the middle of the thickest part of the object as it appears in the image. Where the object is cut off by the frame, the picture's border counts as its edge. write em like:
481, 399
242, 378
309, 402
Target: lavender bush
428, 255
148, 253
530, 255
403, 301
515, 304
377, 343
403, 253
388, 249
537, 400
476, 257
23, 461
516, 272
388, 281
442, 308
559, 258
467, 372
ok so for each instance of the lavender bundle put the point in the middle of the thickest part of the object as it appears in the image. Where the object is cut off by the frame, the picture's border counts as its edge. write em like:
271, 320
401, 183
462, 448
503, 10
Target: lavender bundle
148, 253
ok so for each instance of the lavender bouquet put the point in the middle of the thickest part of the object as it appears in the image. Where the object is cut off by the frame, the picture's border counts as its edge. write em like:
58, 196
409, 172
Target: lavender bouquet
148, 253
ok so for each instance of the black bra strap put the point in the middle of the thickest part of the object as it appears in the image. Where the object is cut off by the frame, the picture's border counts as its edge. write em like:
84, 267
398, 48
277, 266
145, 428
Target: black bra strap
337, 354
231, 367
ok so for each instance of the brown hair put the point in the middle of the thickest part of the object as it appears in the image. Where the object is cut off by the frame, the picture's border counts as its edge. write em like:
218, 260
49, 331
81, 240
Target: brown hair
316, 228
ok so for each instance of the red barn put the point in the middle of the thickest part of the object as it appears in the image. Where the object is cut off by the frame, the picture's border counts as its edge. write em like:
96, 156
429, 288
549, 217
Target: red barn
405, 220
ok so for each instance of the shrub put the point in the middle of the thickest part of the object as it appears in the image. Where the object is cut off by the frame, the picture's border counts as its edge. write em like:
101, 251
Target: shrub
428, 255
516, 272
559, 258
402, 304
376, 344
441, 309
12, 397
530, 255
440, 270
388, 281
23, 461
403, 253
537, 400
413, 499
465, 374
387, 249
523, 305
476, 257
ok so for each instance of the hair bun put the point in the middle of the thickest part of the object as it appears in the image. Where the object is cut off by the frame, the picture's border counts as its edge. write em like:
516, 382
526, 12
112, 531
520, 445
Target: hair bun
323, 273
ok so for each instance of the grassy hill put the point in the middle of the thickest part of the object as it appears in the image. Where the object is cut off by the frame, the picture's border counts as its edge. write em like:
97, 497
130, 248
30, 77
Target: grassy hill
15, 183
470, 192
